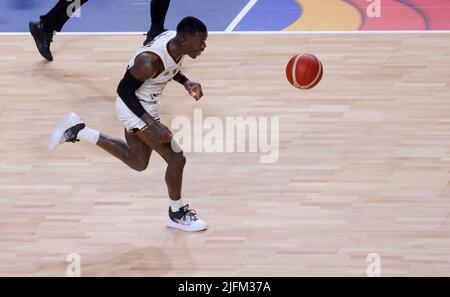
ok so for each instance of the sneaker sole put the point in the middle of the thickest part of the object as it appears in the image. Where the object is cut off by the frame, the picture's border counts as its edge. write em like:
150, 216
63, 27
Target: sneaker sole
68, 121
187, 228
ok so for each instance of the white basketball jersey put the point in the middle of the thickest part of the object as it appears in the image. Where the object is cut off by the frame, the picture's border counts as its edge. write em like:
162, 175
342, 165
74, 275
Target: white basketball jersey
152, 88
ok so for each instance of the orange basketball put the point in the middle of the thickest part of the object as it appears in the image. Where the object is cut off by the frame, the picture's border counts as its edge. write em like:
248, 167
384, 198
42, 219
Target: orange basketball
304, 71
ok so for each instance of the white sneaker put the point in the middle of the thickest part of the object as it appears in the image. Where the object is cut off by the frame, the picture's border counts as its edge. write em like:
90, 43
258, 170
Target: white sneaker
66, 131
185, 219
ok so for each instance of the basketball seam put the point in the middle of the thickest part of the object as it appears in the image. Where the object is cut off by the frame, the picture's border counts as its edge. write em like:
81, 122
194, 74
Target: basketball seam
294, 67
317, 76
306, 70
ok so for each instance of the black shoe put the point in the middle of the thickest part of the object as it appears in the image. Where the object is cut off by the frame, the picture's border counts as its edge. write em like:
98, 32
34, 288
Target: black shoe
42, 39
151, 35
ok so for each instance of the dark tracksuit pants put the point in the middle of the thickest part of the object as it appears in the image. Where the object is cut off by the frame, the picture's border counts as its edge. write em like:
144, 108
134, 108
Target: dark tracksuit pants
55, 19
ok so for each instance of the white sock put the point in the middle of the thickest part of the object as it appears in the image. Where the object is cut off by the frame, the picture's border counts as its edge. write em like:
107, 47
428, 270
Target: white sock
176, 205
89, 135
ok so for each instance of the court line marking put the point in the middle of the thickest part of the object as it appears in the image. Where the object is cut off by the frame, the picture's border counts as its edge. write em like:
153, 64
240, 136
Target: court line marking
343, 32
240, 15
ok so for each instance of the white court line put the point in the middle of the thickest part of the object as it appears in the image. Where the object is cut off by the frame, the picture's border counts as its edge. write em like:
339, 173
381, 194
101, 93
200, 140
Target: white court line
342, 32
240, 16
330, 32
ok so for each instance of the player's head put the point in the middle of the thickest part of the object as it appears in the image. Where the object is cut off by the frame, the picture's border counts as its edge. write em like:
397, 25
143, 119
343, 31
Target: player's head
192, 33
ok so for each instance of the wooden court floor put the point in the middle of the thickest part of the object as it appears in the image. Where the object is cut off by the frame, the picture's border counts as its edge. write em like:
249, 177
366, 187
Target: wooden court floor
363, 165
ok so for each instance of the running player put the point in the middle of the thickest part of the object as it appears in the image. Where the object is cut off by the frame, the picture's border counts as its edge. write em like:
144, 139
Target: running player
137, 106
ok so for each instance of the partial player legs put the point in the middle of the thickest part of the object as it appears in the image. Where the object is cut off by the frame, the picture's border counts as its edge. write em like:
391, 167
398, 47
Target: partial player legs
43, 30
133, 152
158, 12
180, 215
136, 152
175, 163
55, 19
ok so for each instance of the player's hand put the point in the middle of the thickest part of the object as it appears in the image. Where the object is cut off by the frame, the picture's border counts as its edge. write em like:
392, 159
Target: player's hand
194, 89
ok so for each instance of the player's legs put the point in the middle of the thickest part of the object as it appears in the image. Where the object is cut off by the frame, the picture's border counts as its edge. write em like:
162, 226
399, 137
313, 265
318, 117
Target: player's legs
43, 30
180, 216
133, 152
55, 19
158, 12
175, 163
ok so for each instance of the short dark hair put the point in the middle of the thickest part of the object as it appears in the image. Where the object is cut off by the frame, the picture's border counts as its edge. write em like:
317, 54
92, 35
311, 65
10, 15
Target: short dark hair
191, 25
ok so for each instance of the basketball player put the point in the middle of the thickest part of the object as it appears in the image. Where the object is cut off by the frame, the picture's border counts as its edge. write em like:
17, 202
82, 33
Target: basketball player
44, 29
137, 107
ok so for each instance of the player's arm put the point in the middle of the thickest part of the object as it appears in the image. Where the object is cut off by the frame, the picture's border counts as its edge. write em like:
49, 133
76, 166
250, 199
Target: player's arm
146, 66
194, 89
